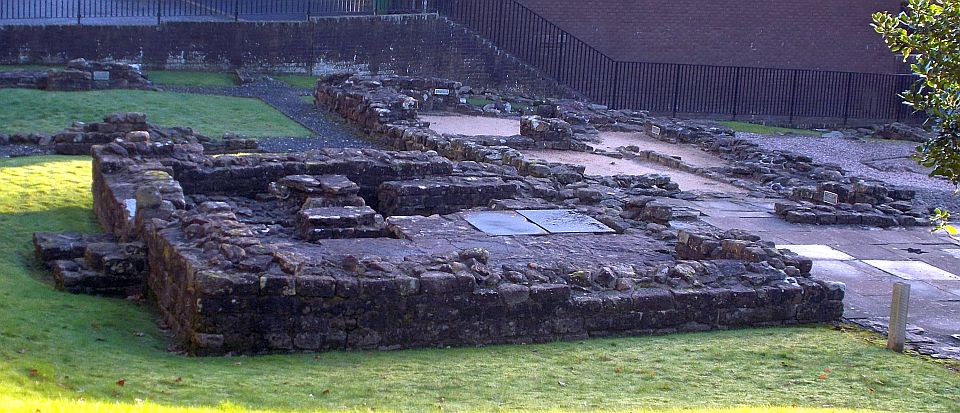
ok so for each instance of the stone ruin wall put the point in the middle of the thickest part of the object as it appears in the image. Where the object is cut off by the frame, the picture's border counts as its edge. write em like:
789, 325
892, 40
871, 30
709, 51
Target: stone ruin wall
273, 307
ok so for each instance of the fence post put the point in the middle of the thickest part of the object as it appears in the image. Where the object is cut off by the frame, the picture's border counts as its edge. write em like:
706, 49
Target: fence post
561, 42
897, 331
616, 85
79, 10
159, 8
236, 10
676, 91
309, 9
736, 92
793, 94
846, 99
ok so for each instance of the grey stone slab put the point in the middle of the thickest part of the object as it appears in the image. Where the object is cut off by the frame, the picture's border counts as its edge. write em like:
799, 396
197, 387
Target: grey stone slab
859, 306
912, 270
935, 316
565, 221
503, 223
716, 206
947, 286
859, 278
775, 225
817, 252
873, 252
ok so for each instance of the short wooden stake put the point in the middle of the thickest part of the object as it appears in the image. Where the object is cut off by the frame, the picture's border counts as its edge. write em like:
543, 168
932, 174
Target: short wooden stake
898, 317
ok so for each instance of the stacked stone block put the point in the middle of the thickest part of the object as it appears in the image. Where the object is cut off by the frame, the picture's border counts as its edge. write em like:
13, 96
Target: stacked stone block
441, 195
93, 264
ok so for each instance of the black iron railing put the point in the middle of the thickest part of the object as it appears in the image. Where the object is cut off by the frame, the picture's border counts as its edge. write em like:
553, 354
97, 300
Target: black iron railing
159, 10
738, 92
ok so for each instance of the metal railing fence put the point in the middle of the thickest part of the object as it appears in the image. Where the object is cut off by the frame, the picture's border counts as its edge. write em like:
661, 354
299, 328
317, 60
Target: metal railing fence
674, 88
658, 87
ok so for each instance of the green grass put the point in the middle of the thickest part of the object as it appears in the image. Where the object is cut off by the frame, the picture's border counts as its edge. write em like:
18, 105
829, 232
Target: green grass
57, 348
48, 112
301, 81
767, 130
479, 102
188, 78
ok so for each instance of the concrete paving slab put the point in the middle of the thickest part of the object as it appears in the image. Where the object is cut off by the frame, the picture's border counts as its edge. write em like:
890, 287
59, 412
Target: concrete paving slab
813, 234
912, 270
937, 317
727, 206
817, 252
859, 306
947, 286
564, 221
503, 223
955, 252
858, 277
758, 225
875, 252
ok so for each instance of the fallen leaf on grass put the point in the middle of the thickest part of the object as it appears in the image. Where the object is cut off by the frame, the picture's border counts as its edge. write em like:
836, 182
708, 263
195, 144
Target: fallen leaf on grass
822, 376
325, 392
121, 382
178, 380
34, 372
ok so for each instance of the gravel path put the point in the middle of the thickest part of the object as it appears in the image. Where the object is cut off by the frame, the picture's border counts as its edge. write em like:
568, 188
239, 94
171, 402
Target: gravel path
331, 130
883, 160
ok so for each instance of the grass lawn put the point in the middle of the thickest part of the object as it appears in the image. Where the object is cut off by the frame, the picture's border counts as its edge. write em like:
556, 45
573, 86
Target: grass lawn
766, 130
301, 81
188, 78
57, 349
26, 110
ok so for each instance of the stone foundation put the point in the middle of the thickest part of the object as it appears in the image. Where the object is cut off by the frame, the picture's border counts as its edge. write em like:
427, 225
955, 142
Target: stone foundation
80, 75
267, 253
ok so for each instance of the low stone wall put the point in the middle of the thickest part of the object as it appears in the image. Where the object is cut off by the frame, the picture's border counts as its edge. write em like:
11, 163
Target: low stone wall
93, 264
79, 75
227, 280
823, 194
420, 45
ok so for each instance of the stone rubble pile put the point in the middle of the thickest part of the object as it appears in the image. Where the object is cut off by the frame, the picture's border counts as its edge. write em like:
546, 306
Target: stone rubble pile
80, 75
859, 203
892, 131
133, 127
794, 176
93, 264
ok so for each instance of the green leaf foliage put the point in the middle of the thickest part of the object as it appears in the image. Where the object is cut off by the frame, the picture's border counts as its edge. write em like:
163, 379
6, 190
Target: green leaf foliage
927, 33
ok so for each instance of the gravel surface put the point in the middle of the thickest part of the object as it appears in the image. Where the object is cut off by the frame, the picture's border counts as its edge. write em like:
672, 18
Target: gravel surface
331, 130
883, 160
15, 150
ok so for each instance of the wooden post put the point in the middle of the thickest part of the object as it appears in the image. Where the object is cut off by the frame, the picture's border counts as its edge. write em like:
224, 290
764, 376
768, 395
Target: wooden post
897, 331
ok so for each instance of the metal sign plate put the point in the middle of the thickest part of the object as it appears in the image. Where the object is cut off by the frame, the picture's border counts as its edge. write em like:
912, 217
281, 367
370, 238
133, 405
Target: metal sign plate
101, 75
503, 223
831, 198
565, 221
441, 92
655, 130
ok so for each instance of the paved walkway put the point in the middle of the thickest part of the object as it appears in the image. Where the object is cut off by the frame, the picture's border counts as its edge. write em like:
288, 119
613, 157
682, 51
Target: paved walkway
869, 262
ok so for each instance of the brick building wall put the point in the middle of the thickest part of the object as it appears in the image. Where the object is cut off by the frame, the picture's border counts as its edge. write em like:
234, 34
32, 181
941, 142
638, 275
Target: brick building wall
796, 34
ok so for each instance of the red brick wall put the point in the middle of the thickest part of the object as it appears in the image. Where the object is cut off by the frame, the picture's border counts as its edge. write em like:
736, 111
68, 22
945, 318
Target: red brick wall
807, 34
